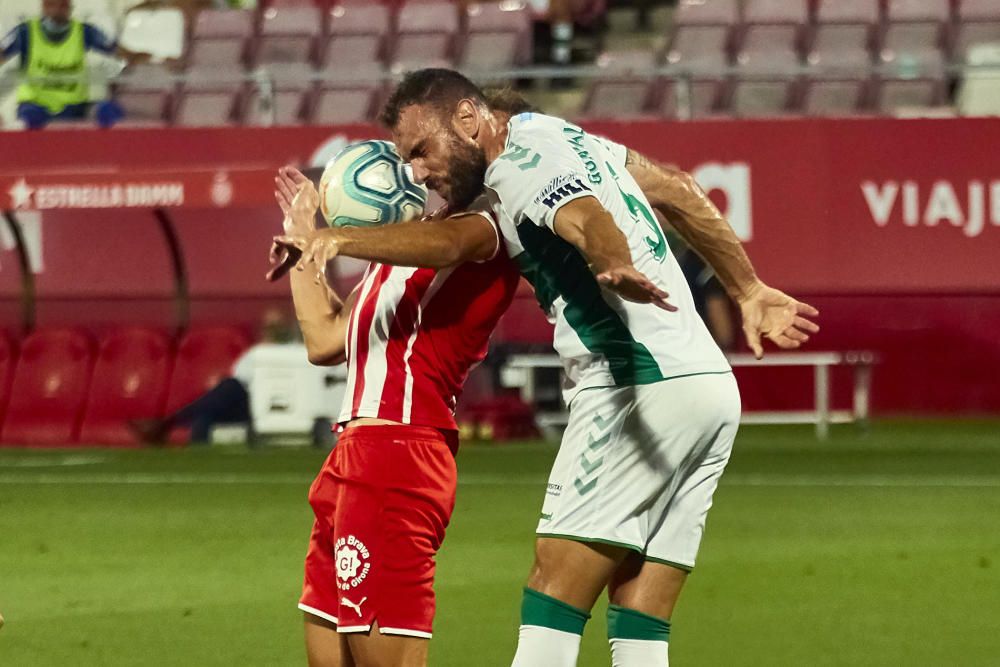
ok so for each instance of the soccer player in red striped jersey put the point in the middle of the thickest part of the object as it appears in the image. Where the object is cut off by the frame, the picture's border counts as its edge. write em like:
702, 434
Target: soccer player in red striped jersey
385, 495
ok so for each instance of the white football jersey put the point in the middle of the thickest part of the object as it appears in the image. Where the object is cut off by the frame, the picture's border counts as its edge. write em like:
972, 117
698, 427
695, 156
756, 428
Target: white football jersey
602, 339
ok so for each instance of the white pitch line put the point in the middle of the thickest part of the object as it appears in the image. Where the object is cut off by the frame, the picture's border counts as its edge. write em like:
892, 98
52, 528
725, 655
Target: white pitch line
52, 461
735, 480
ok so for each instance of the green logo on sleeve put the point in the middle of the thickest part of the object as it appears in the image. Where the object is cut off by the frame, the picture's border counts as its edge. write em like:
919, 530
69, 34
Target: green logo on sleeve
516, 153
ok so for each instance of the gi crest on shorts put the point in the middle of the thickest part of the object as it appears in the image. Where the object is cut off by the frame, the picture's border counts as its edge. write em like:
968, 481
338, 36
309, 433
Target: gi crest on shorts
352, 562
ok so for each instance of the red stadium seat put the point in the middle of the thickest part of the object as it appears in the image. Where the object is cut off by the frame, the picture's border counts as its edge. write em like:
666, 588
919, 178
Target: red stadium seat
773, 34
497, 35
355, 49
979, 11
755, 98
845, 33
979, 23
895, 96
776, 12
834, 97
693, 98
915, 31
220, 38
146, 78
206, 108
626, 90
703, 33
770, 47
144, 108
130, 382
703, 12
426, 35
204, 357
335, 106
49, 388
618, 98
288, 35
288, 107
8, 357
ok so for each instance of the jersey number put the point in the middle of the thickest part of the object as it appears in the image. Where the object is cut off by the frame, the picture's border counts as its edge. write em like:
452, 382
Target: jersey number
657, 243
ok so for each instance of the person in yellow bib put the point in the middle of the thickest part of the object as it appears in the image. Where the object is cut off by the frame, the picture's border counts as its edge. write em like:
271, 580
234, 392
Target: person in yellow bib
52, 52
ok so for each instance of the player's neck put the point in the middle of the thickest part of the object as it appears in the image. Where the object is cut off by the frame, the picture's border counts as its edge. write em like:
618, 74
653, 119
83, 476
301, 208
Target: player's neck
496, 141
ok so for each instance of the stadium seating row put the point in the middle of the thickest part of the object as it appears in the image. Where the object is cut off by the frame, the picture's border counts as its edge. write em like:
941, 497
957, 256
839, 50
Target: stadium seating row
326, 65
290, 104
837, 33
755, 97
60, 388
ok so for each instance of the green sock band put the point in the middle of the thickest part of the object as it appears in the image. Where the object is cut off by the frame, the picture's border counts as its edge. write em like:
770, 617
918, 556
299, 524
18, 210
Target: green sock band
548, 612
626, 623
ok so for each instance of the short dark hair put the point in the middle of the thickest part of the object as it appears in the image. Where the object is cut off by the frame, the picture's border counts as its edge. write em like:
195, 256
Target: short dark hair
508, 100
441, 88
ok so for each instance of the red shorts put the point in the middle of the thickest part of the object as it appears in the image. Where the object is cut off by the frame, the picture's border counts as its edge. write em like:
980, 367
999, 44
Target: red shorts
382, 502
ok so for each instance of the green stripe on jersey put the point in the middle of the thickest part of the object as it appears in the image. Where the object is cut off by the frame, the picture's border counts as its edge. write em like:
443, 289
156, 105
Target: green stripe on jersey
555, 268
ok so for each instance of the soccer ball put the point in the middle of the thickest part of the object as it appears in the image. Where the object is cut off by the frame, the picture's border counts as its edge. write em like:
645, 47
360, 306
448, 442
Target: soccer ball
367, 184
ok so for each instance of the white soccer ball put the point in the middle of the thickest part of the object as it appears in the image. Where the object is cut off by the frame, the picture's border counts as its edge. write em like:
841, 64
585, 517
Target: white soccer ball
367, 184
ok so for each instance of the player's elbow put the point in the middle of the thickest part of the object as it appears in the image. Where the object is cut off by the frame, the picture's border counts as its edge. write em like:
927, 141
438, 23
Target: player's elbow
326, 356
325, 345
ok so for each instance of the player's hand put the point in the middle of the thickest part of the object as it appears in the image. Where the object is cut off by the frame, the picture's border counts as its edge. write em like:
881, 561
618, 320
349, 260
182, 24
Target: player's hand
773, 314
287, 185
285, 254
631, 285
313, 252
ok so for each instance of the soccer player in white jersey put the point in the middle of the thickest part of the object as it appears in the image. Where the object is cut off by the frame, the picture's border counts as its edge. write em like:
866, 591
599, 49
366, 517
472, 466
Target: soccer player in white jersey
653, 404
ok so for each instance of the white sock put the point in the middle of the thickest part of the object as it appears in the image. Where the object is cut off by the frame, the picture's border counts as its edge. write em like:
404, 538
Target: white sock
545, 647
638, 653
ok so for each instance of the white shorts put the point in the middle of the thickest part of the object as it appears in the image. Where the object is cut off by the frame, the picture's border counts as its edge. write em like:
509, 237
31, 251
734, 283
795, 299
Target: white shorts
637, 466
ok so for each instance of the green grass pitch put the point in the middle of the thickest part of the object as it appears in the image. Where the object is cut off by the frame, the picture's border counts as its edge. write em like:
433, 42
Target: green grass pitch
876, 549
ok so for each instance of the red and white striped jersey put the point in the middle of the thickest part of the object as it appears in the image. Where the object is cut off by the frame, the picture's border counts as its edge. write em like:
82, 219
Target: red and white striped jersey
414, 335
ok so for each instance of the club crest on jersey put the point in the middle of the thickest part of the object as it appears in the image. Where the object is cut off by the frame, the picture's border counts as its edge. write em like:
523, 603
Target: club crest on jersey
351, 556
560, 188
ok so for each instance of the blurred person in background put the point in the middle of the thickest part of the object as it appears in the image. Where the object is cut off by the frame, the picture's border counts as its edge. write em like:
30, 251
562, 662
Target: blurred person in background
52, 51
710, 299
228, 402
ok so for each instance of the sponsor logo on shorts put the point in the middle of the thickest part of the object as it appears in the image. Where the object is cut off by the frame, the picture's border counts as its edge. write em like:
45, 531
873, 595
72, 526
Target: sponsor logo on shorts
356, 607
554, 490
352, 562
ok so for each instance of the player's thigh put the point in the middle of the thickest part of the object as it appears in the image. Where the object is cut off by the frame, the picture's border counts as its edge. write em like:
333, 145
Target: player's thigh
571, 571
324, 647
677, 522
646, 586
374, 649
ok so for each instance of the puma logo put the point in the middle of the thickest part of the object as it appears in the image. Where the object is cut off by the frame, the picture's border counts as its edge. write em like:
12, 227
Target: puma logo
355, 607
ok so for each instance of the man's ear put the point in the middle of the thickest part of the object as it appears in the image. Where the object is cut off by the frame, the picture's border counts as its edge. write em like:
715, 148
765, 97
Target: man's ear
468, 119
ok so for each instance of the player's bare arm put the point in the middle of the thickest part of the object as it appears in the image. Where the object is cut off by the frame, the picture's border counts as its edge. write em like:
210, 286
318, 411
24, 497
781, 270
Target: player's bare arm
430, 243
322, 314
588, 226
766, 311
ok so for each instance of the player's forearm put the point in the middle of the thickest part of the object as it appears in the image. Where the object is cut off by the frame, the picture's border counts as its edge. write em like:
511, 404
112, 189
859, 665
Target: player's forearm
681, 200
590, 228
422, 244
320, 314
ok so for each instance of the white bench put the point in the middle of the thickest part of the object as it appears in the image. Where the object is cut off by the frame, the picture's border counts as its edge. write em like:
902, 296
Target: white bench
519, 371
